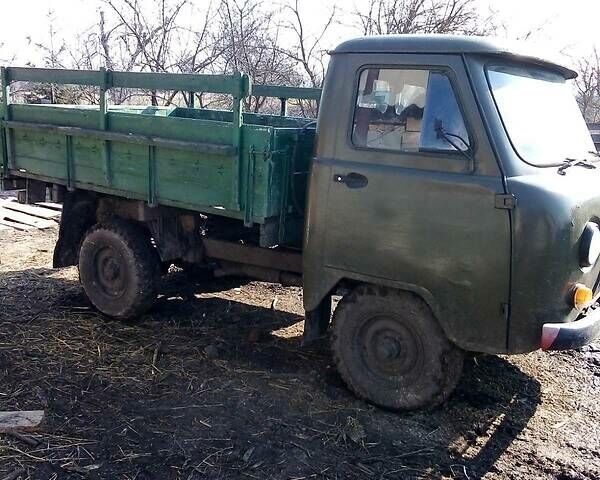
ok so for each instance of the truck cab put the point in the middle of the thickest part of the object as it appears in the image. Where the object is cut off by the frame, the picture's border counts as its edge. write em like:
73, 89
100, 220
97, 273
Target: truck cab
459, 172
452, 201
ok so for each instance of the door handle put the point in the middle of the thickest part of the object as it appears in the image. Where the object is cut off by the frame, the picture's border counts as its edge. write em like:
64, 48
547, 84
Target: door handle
351, 180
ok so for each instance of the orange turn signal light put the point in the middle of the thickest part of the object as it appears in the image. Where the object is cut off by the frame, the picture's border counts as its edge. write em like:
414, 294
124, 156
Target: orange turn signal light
582, 296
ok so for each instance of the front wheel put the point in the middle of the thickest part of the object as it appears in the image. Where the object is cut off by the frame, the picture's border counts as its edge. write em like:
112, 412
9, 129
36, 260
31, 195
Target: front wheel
119, 269
391, 351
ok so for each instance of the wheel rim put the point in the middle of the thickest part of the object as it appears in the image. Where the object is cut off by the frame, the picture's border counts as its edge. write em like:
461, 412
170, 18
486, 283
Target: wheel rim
110, 273
390, 349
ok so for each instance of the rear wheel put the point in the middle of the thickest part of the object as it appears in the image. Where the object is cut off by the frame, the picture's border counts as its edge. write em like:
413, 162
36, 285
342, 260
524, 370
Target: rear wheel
391, 351
119, 269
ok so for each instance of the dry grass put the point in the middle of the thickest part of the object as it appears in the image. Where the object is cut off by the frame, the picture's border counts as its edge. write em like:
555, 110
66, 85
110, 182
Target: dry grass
213, 383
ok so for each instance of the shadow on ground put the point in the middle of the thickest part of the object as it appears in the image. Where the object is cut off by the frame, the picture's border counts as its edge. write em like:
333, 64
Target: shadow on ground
208, 386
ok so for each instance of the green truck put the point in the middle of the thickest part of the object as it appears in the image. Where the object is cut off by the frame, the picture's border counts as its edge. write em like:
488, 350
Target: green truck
428, 194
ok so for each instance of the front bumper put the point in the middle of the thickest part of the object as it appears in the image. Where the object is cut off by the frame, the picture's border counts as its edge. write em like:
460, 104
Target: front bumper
565, 336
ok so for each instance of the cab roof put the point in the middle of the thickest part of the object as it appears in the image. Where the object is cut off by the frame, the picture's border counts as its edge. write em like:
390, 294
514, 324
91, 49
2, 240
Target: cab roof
451, 44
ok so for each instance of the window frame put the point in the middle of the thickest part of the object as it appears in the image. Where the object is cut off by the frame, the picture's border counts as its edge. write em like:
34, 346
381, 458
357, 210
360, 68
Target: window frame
449, 73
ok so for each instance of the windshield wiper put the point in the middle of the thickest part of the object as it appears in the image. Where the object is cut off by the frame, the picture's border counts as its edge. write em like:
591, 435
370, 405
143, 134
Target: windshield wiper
570, 162
595, 154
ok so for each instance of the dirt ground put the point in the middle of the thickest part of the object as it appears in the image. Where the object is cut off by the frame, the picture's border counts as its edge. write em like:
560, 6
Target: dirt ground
213, 383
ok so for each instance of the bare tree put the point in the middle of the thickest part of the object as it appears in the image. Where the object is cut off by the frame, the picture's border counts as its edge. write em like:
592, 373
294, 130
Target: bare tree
154, 37
55, 53
251, 45
308, 51
6, 57
382, 17
588, 86
52, 52
272, 43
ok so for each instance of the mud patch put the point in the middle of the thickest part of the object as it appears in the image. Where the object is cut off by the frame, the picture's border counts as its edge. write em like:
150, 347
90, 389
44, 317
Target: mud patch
213, 383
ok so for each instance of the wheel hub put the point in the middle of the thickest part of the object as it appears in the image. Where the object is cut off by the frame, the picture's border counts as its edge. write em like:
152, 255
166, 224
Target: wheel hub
110, 272
390, 348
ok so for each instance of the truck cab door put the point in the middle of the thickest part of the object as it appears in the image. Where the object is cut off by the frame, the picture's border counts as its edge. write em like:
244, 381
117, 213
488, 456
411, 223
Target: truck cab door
411, 196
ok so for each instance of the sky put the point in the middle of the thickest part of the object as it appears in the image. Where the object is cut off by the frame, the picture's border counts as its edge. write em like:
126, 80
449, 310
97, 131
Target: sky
571, 27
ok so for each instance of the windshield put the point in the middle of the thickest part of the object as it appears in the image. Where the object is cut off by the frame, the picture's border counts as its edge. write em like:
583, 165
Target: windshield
540, 115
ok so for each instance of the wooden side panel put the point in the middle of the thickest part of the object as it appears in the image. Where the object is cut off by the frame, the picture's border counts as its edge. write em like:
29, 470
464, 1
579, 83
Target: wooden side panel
40, 153
87, 161
171, 127
84, 117
169, 176
193, 179
129, 168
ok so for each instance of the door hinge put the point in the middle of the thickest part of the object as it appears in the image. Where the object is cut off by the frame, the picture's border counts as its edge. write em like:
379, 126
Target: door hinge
505, 201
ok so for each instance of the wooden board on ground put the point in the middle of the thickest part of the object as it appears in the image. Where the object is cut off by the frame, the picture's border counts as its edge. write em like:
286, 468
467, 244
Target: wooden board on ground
24, 217
34, 210
18, 217
24, 421
50, 205
6, 224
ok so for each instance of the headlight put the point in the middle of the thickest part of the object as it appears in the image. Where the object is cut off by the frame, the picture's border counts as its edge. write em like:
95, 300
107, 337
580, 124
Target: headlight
589, 248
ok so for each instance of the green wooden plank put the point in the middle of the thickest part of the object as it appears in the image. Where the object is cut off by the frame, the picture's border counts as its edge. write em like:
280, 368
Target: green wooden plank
39, 154
5, 115
166, 174
3, 152
70, 165
103, 124
198, 147
249, 118
250, 187
277, 91
37, 166
227, 84
201, 180
152, 176
88, 161
49, 75
208, 209
143, 110
172, 128
130, 172
237, 138
51, 114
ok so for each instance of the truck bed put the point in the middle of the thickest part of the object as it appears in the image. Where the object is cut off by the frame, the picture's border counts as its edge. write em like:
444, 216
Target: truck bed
195, 159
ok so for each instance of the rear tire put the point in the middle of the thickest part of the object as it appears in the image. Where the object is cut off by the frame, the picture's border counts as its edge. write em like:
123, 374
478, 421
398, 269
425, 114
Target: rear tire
391, 351
119, 269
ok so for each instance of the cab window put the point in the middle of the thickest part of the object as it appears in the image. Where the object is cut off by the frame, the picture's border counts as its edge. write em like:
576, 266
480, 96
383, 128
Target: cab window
409, 111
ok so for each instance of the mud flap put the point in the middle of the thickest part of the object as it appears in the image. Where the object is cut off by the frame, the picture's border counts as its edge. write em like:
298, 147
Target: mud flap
316, 322
78, 215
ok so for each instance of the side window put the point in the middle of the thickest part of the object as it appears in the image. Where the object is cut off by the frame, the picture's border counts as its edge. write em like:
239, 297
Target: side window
407, 110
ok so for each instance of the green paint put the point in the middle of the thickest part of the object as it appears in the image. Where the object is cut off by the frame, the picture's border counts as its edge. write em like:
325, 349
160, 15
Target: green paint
104, 86
205, 160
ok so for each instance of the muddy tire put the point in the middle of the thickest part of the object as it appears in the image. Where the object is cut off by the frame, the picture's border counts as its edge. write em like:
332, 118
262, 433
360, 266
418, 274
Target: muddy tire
391, 351
119, 269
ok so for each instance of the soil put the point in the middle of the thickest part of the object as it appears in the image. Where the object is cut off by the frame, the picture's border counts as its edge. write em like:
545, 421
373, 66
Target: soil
213, 383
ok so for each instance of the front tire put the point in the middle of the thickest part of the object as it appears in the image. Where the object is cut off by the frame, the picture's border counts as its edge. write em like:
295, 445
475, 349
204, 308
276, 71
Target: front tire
119, 269
391, 351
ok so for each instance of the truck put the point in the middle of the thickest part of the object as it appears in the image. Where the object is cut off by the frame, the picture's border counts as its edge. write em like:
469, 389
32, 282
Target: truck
428, 195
